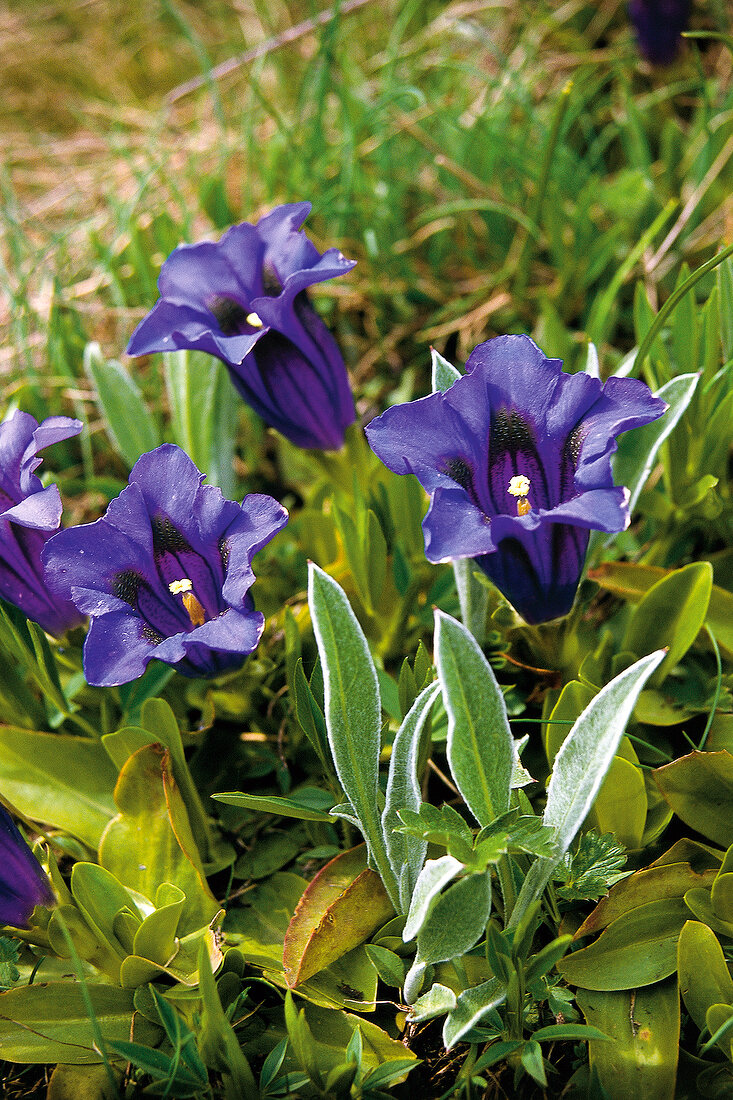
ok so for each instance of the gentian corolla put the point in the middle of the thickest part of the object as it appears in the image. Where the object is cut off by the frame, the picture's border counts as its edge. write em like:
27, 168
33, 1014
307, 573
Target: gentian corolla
244, 299
23, 884
165, 573
516, 456
30, 516
658, 25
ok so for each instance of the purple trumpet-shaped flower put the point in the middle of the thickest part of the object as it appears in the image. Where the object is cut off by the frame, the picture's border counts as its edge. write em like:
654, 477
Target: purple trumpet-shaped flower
658, 25
23, 884
516, 457
165, 573
30, 515
244, 300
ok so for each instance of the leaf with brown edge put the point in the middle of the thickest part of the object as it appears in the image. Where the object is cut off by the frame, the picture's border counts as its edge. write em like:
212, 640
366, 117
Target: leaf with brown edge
344, 904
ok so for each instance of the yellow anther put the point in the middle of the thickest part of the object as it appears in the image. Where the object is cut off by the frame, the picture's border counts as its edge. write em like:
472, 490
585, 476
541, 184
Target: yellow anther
184, 589
255, 321
519, 488
195, 611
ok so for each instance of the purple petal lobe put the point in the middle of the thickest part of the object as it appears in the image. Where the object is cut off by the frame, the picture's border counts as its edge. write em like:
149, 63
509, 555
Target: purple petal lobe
166, 573
23, 883
516, 456
243, 299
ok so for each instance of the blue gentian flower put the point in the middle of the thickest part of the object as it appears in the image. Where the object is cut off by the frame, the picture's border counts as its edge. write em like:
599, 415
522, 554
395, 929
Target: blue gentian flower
658, 25
23, 884
165, 573
244, 300
516, 456
30, 515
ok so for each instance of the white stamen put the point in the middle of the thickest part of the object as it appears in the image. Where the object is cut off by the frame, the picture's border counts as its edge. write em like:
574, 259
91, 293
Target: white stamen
255, 321
177, 588
519, 486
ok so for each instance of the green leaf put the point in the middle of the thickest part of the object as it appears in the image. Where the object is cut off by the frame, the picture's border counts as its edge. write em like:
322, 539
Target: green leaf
201, 401
671, 614
580, 767
49, 1023
480, 745
438, 1000
637, 949
339, 909
436, 874
471, 1007
65, 781
699, 788
456, 921
131, 428
645, 1027
307, 803
406, 854
724, 276
703, 974
310, 716
637, 450
352, 709
444, 374
218, 1044
388, 966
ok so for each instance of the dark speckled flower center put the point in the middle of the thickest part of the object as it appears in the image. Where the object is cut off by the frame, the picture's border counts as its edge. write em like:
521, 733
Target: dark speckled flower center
231, 315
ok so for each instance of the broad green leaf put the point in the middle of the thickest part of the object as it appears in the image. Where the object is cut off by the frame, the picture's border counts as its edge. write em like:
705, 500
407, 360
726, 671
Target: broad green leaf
703, 974
444, 374
339, 909
637, 450
456, 921
631, 582
637, 949
101, 898
580, 767
406, 854
620, 805
387, 964
699, 788
150, 841
130, 426
307, 803
352, 710
259, 928
48, 1022
670, 880
641, 1062
480, 746
471, 1007
201, 403
64, 781
670, 614
82, 1083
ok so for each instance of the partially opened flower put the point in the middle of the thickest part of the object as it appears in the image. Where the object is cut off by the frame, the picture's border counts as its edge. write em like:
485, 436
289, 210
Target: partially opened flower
516, 456
30, 516
165, 573
244, 299
23, 883
658, 25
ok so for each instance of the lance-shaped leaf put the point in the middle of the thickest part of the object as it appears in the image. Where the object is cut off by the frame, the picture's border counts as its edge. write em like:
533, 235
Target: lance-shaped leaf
352, 710
473, 1005
580, 767
480, 745
406, 853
